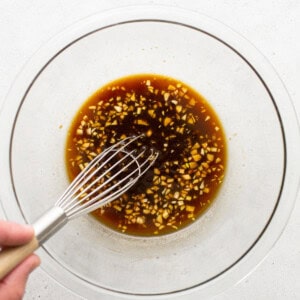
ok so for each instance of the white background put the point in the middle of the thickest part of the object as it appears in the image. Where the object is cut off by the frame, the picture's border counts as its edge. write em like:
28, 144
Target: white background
272, 26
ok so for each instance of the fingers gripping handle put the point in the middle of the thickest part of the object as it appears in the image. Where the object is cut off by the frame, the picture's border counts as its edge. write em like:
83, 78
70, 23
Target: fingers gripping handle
11, 257
44, 227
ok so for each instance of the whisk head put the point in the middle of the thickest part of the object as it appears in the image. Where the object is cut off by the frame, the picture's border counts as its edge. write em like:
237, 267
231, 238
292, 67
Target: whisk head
106, 177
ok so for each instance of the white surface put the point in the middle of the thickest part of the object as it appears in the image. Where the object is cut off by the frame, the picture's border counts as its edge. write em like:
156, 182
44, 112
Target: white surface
272, 26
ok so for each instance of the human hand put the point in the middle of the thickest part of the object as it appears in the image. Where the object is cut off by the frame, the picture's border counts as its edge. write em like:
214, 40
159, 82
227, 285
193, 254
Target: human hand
12, 287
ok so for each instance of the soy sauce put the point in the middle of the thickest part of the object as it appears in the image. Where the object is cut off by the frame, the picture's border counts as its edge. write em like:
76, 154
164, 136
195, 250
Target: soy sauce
179, 123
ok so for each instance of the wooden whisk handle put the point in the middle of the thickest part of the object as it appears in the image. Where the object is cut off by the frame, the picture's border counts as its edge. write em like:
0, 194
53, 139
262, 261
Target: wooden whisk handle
12, 256
49, 223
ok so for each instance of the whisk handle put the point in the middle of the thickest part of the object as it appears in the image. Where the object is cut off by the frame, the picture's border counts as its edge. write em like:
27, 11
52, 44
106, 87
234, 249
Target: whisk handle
11, 257
44, 227
49, 223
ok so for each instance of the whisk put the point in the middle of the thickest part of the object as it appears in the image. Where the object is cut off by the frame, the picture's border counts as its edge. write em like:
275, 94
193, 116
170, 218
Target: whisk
105, 178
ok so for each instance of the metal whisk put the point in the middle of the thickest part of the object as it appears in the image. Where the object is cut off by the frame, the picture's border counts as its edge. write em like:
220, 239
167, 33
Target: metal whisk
105, 178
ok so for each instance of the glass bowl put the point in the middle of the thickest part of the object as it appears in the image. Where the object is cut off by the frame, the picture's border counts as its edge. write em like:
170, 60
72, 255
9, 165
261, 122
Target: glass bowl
262, 175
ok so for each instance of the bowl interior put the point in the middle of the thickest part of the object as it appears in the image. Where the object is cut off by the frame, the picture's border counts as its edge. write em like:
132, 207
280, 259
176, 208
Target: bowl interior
100, 257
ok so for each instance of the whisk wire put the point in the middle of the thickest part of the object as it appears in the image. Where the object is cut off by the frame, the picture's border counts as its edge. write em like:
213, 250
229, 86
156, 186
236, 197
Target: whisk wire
83, 177
95, 187
94, 203
80, 198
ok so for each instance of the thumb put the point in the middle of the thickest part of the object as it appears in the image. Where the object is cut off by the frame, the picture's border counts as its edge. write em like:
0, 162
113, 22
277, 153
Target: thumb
13, 285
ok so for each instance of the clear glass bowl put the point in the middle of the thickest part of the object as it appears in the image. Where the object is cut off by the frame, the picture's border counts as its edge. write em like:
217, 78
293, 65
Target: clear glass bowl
262, 174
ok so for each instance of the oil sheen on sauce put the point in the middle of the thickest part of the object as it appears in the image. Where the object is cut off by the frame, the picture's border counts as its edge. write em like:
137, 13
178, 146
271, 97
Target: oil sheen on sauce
179, 123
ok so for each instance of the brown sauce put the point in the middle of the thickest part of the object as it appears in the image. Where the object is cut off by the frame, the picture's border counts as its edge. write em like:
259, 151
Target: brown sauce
180, 124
